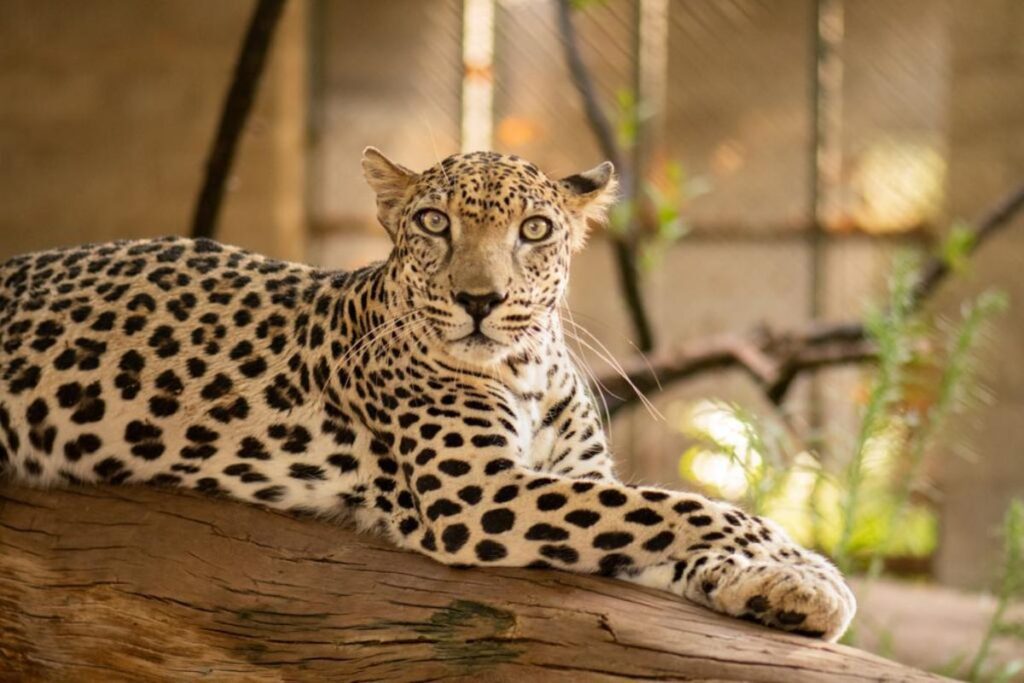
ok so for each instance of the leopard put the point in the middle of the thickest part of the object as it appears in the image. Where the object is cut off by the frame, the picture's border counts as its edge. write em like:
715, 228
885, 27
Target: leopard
430, 398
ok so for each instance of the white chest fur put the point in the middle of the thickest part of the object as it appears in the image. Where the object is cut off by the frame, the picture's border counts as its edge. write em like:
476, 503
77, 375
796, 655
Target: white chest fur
534, 446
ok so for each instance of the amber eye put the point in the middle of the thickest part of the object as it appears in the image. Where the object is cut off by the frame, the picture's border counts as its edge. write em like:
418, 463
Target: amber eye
432, 221
535, 229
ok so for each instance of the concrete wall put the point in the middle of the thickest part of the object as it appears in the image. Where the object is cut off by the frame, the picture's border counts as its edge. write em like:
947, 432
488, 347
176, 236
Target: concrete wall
107, 110
986, 161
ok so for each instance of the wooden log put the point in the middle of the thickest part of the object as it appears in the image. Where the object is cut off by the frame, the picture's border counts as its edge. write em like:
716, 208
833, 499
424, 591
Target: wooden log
105, 584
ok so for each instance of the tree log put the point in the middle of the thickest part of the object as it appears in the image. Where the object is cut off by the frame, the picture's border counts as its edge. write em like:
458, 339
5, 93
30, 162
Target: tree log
147, 585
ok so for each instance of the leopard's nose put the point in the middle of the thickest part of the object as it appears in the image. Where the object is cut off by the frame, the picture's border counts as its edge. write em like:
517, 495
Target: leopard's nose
479, 306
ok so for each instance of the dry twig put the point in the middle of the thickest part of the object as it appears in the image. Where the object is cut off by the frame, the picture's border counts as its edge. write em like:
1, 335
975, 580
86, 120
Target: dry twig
624, 244
775, 359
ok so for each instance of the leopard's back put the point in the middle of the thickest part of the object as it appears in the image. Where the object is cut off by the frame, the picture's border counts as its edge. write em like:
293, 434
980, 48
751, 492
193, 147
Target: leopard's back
160, 361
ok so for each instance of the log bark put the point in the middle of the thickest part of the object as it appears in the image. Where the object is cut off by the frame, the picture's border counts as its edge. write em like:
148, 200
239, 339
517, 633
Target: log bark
148, 585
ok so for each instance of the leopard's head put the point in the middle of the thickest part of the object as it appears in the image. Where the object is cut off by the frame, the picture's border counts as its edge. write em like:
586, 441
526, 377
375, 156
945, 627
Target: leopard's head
482, 246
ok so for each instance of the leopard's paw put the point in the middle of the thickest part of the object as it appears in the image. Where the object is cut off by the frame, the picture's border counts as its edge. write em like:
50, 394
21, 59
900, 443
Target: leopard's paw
811, 600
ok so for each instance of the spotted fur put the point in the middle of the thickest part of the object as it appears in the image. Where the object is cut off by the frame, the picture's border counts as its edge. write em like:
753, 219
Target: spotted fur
430, 397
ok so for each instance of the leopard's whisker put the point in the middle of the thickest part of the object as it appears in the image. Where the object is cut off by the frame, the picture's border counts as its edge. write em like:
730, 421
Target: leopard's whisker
589, 372
609, 358
572, 319
648, 405
372, 334
579, 358
368, 339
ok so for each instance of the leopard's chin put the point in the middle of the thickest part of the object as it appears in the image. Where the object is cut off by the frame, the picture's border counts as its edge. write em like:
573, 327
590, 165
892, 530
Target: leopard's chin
477, 349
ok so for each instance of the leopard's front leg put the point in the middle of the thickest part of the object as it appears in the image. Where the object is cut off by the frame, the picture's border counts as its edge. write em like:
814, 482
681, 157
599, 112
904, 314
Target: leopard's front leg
738, 564
474, 505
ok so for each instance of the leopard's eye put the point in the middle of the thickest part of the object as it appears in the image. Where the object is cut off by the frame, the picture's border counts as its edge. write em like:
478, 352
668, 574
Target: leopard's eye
535, 229
432, 221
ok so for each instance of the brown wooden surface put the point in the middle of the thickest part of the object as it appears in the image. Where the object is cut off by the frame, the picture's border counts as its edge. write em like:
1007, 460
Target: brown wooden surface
146, 585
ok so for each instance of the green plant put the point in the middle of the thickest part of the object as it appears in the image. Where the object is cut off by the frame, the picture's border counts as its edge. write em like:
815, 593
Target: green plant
952, 396
1010, 588
896, 331
865, 509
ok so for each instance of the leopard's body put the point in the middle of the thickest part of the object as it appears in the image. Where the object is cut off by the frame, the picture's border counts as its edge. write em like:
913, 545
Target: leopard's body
431, 397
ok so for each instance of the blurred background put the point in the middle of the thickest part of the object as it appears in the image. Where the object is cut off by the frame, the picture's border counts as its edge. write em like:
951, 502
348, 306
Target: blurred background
788, 166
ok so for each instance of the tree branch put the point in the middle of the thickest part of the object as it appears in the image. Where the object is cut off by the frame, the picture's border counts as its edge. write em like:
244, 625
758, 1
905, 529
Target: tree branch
237, 105
625, 243
775, 359
139, 584
997, 218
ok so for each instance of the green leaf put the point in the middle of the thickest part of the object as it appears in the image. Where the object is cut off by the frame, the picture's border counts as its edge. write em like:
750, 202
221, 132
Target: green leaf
627, 117
584, 4
956, 249
674, 172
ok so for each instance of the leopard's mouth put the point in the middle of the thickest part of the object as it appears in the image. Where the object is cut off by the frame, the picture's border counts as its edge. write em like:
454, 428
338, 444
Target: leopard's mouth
477, 348
477, 338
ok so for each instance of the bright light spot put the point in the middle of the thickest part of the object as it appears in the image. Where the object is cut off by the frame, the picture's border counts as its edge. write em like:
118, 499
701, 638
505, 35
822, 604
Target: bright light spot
722, 426
791, 504
801, 479
882, 451
719, 472
899, 185
728, 472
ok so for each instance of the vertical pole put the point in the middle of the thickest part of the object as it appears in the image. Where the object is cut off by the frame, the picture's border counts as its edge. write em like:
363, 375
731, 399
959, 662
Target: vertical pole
651, 81
827, 31
828, 125
478, 74
826, 138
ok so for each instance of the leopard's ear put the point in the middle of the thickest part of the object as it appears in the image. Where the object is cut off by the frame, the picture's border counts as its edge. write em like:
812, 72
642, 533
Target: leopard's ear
391, 182
589, 196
